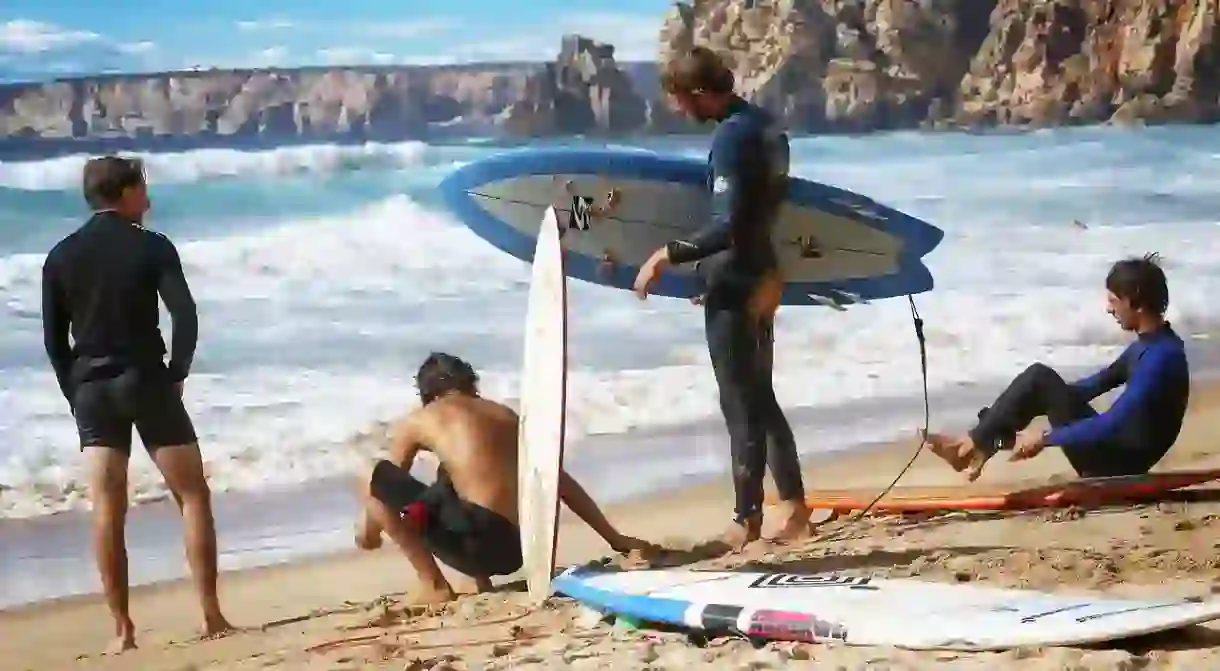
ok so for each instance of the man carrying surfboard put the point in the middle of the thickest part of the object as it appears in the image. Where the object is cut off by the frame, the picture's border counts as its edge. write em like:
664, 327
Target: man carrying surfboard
747, 181
468, 517
1130, 437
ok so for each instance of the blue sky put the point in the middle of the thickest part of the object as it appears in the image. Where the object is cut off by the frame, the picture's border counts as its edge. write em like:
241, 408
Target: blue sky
73, 36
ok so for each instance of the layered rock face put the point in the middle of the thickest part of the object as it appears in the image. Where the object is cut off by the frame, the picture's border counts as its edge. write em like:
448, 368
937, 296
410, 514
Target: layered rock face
583, 91
359, 103
1090, 60
851, 65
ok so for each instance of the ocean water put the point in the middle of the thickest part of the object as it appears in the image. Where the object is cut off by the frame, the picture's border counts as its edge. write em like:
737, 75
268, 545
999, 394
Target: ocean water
325, 274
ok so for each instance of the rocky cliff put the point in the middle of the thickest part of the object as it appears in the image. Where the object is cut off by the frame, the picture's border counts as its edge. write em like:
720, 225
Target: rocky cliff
823, 65
583, 91
869, 64
355, 103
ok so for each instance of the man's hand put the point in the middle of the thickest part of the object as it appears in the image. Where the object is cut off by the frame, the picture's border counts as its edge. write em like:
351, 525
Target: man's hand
1029, 444
367, 537
650, 271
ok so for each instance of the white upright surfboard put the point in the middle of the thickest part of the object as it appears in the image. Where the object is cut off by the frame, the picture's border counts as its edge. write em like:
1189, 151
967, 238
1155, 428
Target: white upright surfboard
543, 396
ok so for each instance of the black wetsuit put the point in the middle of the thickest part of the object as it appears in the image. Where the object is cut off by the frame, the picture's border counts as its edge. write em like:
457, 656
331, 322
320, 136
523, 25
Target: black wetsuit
101, 283
748, 181
1127, 439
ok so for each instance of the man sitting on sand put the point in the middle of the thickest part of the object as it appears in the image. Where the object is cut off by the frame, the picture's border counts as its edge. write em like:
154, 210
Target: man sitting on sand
468, 517
1130, 437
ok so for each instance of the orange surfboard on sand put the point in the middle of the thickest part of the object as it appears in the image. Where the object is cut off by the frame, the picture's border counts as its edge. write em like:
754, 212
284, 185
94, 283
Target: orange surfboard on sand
1085, 491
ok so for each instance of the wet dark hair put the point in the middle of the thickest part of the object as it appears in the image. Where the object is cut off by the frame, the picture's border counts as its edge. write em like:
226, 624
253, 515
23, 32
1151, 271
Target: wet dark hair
1140, 281
697, 70
443, 373
104, 179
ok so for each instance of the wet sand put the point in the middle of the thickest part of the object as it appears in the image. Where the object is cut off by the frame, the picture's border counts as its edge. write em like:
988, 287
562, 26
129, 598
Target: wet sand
347, 611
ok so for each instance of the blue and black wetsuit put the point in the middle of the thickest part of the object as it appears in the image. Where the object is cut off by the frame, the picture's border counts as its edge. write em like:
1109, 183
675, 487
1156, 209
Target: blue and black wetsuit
1130, 437
748, 181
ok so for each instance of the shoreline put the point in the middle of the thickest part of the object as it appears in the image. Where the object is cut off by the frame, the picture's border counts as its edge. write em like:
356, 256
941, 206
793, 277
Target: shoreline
439, 135
287, 605
46, 559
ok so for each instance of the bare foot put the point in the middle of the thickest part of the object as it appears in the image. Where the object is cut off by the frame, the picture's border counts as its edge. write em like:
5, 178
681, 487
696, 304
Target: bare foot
953, 450
122, 643
738, 536
977, 460
215, 626
431, 596
796, 522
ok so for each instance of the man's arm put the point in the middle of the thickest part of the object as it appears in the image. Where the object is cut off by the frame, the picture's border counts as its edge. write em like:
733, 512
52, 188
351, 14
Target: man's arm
738, 177
55, 325
1145, 380
578, 500
1104, 380
405, 444
182, 311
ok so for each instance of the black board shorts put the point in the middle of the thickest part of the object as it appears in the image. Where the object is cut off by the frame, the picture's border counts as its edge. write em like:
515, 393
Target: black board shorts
107, 406
465, 536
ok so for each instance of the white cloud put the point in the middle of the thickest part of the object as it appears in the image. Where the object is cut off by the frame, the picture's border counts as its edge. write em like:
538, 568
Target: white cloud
137, 47
405, 29
354, 56
31, 37
272, 54
33, 50
394, 29
265, 24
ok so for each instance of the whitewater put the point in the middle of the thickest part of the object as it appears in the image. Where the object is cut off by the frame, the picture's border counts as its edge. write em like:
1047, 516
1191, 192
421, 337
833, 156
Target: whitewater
325, 274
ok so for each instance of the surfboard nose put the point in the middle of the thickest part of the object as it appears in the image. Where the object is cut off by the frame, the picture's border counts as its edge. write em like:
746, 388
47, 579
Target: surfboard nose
455, 188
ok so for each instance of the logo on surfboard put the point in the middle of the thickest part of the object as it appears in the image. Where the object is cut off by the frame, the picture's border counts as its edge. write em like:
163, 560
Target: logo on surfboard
810, 247
785, 580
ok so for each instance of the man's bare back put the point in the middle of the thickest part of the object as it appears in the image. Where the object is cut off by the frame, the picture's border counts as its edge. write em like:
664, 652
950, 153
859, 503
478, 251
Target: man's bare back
475, 441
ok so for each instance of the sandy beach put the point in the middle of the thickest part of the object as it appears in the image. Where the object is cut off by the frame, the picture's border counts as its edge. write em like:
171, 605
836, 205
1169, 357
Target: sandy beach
344, 612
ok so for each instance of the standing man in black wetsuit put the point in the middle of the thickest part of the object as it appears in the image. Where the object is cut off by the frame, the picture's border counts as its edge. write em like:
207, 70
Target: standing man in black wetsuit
747, 181
101, 284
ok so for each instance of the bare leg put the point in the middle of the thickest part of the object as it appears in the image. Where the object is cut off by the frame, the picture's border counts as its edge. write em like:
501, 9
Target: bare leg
182, 467
108, 489
434, 588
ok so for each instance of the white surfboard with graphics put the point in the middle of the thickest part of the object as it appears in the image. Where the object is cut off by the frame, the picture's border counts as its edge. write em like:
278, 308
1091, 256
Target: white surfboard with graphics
543, 397
857, 609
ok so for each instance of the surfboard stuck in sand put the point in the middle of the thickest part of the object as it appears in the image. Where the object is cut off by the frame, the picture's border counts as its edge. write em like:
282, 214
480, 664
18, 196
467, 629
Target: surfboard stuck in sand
543, 395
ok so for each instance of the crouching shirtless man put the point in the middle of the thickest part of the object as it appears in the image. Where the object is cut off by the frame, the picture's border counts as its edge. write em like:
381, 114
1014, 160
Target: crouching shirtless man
468, 518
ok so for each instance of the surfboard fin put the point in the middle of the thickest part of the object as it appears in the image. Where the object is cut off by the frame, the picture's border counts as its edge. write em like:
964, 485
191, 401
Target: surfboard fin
828, 302
850, 297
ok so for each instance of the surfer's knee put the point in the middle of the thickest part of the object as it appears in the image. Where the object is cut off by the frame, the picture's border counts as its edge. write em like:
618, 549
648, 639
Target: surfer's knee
1039, 373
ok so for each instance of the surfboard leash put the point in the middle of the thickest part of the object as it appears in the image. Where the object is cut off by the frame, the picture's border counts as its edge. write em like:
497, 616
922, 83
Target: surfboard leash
917, 321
